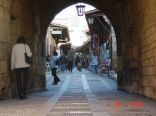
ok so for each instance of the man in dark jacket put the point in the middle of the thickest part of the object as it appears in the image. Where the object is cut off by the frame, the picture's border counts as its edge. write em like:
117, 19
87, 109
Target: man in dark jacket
62, 62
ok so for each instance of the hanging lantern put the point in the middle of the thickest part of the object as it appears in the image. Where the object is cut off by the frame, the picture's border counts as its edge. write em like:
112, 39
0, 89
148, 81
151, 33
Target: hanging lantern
90, 20
80, 9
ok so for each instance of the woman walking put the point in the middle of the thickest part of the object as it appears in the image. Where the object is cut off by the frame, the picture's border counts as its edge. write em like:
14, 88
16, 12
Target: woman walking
20, 66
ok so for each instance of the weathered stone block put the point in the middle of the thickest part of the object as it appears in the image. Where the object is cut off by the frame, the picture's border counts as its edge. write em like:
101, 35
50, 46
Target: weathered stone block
17, 9
16, 26
153, 45
149, 92
145, 82
152, 81
6, 16
4, 35
1, 3
150, 70
3, 65
6, 3
1, 13
146, 43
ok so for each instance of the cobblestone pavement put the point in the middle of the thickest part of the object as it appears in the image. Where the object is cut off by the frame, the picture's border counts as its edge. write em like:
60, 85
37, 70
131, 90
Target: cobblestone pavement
80, 94
16, 107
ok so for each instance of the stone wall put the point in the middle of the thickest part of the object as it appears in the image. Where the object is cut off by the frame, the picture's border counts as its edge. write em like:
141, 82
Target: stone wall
148, 50
16, 19
4, 46
140, 47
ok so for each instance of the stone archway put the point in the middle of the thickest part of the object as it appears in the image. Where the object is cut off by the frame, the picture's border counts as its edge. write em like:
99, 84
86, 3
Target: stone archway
133, 22
48, 13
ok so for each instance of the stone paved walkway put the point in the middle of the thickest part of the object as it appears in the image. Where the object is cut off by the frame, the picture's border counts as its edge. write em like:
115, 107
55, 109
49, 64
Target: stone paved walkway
80, 94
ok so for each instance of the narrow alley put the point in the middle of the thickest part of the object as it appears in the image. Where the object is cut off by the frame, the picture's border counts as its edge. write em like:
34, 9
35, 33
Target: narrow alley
79, 94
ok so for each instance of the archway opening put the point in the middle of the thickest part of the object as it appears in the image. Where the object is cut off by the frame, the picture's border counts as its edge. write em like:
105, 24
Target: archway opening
85, 35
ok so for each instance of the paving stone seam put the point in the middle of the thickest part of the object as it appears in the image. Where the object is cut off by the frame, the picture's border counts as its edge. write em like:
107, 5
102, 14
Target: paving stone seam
91, 97
45, 108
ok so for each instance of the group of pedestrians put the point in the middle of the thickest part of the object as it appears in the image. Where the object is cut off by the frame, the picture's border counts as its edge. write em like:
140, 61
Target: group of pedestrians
67, 63
63, 62
87, 61
22, 68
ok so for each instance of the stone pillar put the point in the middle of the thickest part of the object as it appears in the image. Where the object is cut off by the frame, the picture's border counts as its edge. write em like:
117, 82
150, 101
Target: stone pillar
5, 46
40, 79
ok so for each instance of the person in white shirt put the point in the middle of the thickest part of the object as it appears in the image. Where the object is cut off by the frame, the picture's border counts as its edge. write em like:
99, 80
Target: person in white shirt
19, 65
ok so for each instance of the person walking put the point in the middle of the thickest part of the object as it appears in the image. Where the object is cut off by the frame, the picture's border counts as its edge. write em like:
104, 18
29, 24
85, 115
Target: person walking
77, 60
62, 62
53, 65
94, 63
70, 60
78, 63
20, 66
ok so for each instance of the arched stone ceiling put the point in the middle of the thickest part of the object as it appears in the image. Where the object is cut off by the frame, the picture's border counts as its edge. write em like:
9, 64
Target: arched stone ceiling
48, 9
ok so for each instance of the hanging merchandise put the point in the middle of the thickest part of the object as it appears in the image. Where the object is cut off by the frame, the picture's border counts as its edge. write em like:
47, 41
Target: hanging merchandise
93, 42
